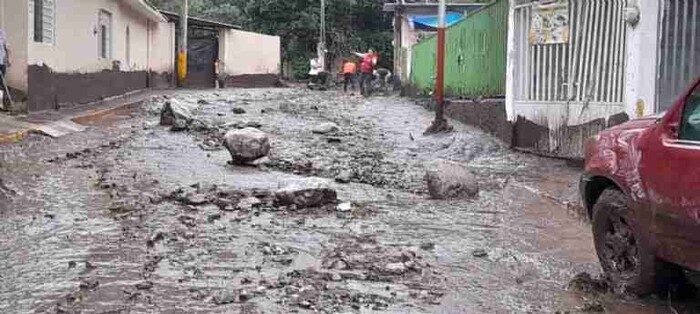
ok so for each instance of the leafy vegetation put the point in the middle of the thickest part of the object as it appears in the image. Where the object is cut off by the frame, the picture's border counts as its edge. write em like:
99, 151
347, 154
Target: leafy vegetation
352, 25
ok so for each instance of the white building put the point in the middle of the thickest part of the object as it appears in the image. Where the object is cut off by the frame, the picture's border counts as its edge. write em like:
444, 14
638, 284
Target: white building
67, 52
603, 61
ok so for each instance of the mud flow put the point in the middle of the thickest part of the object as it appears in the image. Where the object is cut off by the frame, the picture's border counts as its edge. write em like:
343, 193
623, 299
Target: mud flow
134, 217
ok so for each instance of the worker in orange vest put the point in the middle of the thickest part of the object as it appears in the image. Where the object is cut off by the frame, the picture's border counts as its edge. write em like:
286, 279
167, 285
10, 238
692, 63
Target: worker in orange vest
369, 61
349, 72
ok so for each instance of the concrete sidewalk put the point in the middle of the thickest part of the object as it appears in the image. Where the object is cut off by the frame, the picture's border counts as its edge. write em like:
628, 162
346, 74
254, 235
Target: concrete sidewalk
65, 121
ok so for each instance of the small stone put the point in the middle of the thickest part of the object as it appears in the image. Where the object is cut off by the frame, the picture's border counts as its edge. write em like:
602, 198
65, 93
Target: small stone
305, 304
253, 124
336, 277
202, 102
325, 128
248, 203
395, 268
344, 177
480, 253
428, 246
333, 140
339, 264
213, 217
238, 110
71, 264
345, 207
145, 285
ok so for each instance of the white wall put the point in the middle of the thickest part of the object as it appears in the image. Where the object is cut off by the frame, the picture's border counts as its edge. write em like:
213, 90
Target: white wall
14, 19
243, 52
162, 51
642, 60
75, 48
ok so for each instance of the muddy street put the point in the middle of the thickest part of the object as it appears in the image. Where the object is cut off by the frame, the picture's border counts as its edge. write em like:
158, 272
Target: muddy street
134, 217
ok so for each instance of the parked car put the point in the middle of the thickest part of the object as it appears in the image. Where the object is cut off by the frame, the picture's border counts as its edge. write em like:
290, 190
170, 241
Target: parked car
641, 187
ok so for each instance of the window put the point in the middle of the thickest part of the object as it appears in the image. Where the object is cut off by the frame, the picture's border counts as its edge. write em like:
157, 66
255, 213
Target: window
104, 30
690, 129
42, 20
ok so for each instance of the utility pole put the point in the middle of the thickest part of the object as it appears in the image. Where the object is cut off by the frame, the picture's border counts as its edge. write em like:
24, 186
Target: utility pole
322, 37
440, 124
182, 50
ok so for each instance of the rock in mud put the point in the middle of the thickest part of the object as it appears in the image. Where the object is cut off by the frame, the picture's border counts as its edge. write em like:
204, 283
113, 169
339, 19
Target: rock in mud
248, 203
305, 198
238, 110
176, 113
395, 268
344, 177
344, 207
480, 253
451, 180
325, 128
246, 145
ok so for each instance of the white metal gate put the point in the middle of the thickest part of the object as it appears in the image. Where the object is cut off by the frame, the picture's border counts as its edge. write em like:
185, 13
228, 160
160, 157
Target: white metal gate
571, 83
679, 49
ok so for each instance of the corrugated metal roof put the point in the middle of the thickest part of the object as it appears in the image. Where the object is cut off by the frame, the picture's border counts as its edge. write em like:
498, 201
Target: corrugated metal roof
146, 9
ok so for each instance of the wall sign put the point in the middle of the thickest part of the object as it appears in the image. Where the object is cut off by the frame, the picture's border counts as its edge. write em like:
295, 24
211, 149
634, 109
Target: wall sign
549, 22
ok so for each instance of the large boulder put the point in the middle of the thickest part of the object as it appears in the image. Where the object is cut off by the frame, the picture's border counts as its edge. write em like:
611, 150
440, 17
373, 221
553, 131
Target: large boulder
449, 179
246, 145
176, 114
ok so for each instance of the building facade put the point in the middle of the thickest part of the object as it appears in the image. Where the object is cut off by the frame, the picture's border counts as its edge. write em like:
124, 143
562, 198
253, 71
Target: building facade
70, 52
576, 67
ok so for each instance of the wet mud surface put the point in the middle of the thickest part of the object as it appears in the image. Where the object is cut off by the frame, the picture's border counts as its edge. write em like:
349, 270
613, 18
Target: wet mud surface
131, 217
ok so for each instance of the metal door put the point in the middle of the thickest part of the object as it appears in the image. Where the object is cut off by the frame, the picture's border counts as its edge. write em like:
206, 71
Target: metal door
570, 83
679, 50
203, 50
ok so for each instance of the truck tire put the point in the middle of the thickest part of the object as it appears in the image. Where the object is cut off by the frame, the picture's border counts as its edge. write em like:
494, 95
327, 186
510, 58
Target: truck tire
627, 262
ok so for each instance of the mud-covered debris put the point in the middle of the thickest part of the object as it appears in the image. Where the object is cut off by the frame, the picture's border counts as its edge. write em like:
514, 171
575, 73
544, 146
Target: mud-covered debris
175, 113
193, 198
427, 246
187, 221
228, 296
480, 253
325, 128
203, 102
246, 145
238, 110
305, 198
584, 282
248, 203
144, 285
592, 306
89, 284
395, 268
449, 179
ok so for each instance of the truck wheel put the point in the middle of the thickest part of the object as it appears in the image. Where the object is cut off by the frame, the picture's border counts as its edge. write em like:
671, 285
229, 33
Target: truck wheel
630, 266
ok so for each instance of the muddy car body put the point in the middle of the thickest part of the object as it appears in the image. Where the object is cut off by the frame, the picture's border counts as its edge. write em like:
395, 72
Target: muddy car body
641, 188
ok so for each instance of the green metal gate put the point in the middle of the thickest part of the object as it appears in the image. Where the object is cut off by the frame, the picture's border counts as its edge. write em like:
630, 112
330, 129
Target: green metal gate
475, 58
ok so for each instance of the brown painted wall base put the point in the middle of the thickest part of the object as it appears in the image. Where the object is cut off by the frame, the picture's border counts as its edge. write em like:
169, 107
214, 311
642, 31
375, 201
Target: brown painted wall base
490, 116
49, 90
163, 80
250, 80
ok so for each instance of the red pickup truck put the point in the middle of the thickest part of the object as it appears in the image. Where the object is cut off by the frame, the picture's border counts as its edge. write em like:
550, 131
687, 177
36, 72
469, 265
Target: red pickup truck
641, 187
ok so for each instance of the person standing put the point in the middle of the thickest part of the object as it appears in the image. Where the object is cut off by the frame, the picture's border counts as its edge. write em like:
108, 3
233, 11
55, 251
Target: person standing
349, 71
4, 64
369, 61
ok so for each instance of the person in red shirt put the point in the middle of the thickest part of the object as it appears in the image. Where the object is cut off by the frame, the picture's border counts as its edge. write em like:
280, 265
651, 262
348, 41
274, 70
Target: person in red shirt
369, 61
349, 70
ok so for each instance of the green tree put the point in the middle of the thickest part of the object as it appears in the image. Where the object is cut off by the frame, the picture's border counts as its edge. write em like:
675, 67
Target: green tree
350, 24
